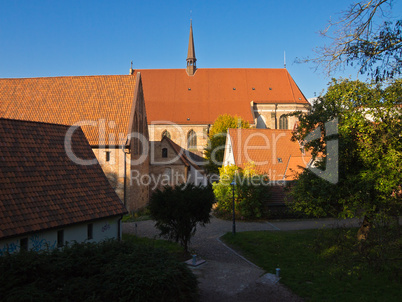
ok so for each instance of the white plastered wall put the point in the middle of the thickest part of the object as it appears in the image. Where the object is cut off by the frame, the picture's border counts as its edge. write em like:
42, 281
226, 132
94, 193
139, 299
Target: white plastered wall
103, 229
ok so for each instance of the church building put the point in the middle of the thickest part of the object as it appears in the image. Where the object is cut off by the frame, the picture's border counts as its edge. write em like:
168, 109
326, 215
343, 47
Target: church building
182, 104
179, 104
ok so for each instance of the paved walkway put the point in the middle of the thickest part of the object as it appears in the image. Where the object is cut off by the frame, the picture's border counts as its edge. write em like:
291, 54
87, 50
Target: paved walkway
226, 276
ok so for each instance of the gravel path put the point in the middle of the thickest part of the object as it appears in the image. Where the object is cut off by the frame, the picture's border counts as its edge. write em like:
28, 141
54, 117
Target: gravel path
227, 276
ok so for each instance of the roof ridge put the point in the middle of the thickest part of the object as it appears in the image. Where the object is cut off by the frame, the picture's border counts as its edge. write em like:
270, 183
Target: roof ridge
206, 68
179, 150
290, 79
291, 88
75, 76
36, 122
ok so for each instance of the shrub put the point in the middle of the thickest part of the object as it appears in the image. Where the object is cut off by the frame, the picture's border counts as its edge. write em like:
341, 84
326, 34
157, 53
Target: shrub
380, 252
251, 192
108, 271
215, 150
177, 210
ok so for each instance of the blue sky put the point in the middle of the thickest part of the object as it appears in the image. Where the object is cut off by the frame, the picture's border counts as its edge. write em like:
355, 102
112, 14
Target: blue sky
88, 37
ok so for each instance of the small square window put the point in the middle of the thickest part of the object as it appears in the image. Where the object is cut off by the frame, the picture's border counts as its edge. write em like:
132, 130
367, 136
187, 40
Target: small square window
279, 159
60, 238
23, 244
90, 231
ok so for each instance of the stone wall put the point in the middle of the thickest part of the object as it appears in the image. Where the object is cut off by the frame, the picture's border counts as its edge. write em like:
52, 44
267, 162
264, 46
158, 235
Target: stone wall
270, 112
179, 133
112, 163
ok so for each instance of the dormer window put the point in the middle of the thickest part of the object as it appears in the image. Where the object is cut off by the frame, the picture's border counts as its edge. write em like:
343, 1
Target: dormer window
279, 160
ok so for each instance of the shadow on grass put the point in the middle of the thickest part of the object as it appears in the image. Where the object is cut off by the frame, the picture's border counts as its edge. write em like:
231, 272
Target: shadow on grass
323, 265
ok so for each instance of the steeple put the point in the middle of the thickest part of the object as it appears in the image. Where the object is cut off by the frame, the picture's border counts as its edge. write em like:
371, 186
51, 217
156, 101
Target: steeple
191, 66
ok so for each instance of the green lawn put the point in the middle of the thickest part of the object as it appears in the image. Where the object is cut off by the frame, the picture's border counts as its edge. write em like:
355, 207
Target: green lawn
316, 269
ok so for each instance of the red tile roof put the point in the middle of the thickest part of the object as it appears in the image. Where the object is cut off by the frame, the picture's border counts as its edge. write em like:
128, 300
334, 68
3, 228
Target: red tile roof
272, 151
107, 100
41, 188
211, 92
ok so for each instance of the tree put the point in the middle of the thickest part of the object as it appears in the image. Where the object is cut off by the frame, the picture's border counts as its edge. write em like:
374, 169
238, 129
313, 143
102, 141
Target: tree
369, 154
366, 35
177, 210
215, 150
251, 191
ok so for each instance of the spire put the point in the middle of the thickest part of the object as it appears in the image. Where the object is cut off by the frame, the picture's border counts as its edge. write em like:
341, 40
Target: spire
191, 66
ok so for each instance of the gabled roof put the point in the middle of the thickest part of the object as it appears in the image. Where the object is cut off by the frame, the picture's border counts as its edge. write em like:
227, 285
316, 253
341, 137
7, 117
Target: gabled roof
201, 98
105, 100
272, 151
41, 187
187, 157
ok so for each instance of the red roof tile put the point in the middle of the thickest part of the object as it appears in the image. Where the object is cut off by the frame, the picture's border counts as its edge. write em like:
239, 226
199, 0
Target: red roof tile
106, 100
212, 92
272, 151
41, 188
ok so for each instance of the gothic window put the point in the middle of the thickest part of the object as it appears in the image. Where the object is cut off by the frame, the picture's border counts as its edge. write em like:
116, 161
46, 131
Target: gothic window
283, 122
164, 152
166, 133
191, 140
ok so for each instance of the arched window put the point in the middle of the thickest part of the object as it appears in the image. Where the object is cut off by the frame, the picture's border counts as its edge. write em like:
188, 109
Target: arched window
166, 133
191, 140
283, 122
164, 152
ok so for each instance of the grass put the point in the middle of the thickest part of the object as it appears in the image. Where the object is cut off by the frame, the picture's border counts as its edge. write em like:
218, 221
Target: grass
139, 215
316, 268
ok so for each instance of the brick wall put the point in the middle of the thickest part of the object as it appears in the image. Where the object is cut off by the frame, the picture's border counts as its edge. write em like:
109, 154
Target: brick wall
179, 133
171, 165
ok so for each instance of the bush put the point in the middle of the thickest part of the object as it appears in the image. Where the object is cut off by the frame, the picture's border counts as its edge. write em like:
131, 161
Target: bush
108, 271
282, 212
178, 210
380, 252
251, 192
